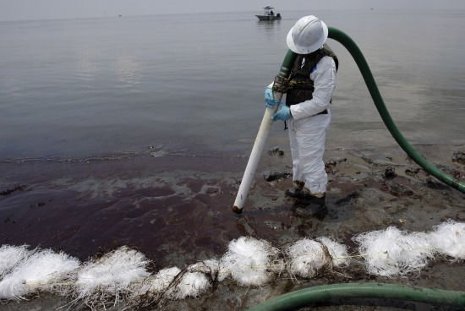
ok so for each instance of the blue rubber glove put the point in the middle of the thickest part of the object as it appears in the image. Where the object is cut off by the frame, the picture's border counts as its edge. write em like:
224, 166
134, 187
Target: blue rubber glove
283, 113
270, 102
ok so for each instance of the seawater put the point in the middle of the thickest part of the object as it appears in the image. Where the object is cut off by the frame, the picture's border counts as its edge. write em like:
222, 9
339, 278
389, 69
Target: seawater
195, 82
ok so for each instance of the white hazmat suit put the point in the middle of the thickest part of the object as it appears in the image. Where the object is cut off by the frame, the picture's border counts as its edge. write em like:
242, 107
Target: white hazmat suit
307, 129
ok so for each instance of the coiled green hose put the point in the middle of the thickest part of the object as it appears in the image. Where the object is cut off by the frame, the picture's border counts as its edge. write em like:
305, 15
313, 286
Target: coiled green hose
353, 49
324, 293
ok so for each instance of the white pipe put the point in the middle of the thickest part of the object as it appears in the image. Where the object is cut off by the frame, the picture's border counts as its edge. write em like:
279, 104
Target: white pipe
254, 158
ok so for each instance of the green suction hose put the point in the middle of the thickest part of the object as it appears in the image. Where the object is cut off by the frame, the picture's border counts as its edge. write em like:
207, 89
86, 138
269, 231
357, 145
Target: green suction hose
352, 47
304, 297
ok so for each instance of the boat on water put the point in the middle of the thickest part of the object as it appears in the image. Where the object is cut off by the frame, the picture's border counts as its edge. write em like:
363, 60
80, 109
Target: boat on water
268, 14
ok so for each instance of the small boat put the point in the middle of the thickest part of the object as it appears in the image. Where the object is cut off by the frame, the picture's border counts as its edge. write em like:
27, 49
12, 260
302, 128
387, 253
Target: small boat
268, 14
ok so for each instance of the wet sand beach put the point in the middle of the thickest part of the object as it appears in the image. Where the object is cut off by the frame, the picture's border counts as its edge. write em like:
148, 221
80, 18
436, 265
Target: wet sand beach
176, 209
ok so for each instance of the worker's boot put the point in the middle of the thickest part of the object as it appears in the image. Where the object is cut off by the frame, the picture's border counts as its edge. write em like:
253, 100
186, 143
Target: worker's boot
298, 191
312, 206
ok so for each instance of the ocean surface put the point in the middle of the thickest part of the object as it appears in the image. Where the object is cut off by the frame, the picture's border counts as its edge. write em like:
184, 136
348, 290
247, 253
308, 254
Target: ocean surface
194, 83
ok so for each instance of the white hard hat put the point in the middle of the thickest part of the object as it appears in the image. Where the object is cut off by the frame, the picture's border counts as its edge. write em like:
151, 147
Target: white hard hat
308, 35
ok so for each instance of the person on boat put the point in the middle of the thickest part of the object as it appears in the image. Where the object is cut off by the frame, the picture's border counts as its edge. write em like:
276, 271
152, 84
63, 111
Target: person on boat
271, 13
307, 114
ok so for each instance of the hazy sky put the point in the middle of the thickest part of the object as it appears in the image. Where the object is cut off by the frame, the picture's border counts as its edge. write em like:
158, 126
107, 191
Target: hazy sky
46, 9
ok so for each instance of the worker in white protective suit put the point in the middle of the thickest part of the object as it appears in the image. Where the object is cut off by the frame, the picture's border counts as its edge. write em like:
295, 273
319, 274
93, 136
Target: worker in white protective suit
309, 90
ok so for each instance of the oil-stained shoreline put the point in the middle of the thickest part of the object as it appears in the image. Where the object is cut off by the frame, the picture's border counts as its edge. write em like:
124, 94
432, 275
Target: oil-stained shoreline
176, 209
